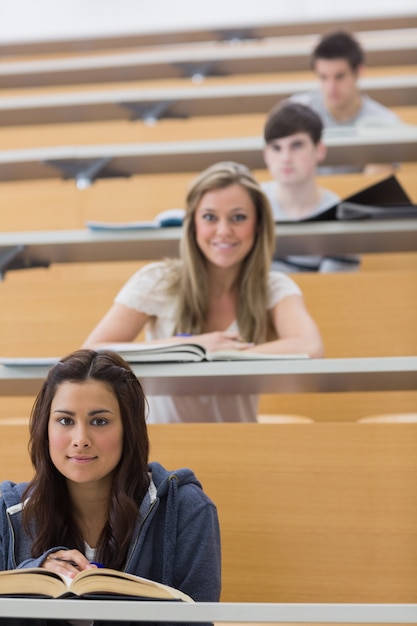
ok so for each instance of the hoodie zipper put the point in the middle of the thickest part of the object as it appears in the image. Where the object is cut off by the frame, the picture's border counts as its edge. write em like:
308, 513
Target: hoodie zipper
133, 548
9, 522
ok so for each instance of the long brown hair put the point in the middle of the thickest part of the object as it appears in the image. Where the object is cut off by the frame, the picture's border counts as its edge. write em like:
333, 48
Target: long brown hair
47, 513
190, 279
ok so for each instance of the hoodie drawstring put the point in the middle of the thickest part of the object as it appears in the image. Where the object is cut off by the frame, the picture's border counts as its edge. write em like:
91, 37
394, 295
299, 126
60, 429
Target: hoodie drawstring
170, 530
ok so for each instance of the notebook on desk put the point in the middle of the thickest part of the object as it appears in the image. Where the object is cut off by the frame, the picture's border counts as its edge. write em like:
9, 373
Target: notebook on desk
385, 199
353, 211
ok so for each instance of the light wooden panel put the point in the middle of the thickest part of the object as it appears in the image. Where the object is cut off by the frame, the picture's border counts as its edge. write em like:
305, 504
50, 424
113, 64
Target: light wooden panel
389, 261
339, 407
51, 311
364, 313
56, 204
15, 463
12, 407
309, 513
125, 131
359, 314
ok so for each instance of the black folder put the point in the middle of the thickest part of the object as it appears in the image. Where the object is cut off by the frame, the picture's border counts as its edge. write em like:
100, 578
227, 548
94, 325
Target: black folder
385, 199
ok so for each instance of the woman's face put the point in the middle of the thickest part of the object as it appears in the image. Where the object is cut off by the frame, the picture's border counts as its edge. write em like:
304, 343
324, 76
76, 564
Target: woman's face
225, 224
85, 431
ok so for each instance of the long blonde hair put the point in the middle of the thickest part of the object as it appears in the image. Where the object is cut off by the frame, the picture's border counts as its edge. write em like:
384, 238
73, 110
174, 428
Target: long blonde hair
190, 278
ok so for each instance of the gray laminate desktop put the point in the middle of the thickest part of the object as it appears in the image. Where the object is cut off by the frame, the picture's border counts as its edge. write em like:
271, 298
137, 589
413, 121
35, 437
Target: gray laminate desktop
356, 146
183, 102
125, 610
20, 250
230, 377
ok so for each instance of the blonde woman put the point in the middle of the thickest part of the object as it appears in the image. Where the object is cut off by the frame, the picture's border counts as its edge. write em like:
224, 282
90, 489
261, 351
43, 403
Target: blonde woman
221, 291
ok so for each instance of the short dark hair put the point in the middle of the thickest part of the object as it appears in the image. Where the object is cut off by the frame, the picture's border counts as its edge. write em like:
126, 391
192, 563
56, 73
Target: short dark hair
339, 45
288, 118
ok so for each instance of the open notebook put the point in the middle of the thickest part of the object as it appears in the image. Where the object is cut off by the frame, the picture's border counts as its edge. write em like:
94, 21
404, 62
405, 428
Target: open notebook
164, 219
188, 352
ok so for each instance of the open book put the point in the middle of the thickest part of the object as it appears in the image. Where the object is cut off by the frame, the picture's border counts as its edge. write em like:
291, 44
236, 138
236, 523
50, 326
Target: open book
187, 352
38, 581
164, 219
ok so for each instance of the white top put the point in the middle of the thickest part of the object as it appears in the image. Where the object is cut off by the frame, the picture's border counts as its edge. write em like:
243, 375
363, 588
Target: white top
270, 188
371, 111
307, 263
146, 292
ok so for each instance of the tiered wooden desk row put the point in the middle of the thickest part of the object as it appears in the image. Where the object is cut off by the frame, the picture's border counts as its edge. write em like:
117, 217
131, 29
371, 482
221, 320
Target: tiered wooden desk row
34, 299
311, 513
387, 46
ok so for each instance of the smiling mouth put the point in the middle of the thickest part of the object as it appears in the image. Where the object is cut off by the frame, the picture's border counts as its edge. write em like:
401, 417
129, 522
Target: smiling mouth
224, 246
82, 459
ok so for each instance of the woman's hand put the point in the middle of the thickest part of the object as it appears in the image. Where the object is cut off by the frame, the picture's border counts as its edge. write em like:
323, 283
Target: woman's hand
67, 562
219, 340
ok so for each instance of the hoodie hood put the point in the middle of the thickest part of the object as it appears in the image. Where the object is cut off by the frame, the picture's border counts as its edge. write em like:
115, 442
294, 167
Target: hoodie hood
162, 478
167, 487
12, 493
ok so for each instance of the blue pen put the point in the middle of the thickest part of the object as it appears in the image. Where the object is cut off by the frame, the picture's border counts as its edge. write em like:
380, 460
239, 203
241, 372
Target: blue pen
183, 335
96, 564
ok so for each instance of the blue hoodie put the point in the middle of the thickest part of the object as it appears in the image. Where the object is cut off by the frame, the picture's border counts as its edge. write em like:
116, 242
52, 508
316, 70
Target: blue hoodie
176, 540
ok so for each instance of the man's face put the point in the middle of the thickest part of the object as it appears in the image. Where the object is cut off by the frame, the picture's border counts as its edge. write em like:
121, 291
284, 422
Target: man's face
338, 82
292, 160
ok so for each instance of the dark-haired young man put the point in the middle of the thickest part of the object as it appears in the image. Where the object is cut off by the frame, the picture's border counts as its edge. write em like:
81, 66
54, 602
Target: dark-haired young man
293, 150
338, 61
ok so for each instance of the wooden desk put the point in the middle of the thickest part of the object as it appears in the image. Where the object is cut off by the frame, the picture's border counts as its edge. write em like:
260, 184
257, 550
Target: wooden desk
356, 146
125, 610
384, 47
249, 377
183, 102
21, 250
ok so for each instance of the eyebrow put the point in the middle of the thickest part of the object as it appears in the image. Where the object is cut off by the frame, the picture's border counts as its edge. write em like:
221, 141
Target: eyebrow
238, 208
276, 142
90, 413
